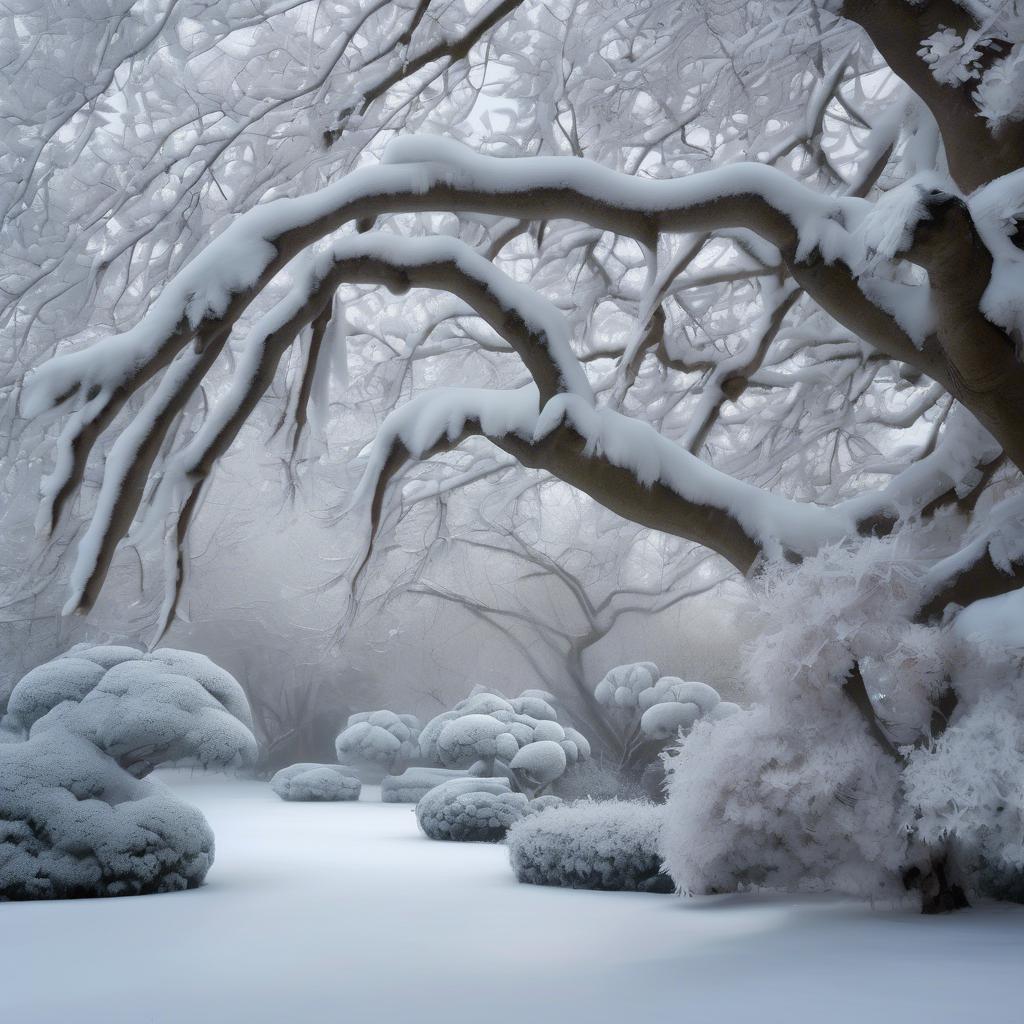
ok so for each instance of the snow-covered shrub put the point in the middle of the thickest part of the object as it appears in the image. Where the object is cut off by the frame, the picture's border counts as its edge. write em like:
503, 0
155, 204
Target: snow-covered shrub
965, 791
518, 738
414, 783
651, 709
377, 743
610, 844
315, 782
75, 819
73, 675
144, 710
470, 810
74, 823
597, 779
800, 792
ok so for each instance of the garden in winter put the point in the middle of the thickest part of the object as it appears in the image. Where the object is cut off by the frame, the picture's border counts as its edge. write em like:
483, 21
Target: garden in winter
511, 510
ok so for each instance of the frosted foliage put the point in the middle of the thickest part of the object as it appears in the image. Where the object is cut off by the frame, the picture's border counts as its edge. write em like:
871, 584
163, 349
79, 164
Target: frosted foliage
315, 782
797, 793
610, 844
470, 810
414, 783
73, 823
380, 740
756, 801
969, 787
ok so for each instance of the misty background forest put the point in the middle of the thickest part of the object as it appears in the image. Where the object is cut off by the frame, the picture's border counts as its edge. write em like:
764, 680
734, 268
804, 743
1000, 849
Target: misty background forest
511, 493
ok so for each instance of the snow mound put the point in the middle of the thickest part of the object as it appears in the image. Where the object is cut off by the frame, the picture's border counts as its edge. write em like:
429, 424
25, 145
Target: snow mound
591, 845
414, 783
316, 782
74, 823
470, 810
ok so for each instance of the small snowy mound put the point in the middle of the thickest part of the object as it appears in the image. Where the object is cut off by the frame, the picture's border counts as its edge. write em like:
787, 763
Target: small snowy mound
74, 823
316, 782
470, 810
591, 845
414, 783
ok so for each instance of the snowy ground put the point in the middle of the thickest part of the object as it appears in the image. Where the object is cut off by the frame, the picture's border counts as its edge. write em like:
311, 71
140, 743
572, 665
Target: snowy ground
344, 913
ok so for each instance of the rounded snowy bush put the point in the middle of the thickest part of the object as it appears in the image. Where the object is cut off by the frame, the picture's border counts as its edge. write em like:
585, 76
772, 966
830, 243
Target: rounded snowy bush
414, 783
494, 736
378, 742
470, 810
80, 733
610, 844
166, 707
74, 823
316, 782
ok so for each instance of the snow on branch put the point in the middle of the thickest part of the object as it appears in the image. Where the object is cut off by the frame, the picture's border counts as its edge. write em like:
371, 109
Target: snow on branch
532, 327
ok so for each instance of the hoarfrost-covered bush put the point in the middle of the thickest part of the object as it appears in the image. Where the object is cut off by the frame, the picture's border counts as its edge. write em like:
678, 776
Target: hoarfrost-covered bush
73, 823
755, 801
414, 783
379, 742
591, 845
965, 790
75, 819
819, 785
597, 779
518, 738
316, 782
470, 810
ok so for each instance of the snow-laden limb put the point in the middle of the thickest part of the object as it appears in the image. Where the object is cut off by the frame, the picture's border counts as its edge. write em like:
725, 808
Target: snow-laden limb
610, 845
423, 173
321, 782
832, 245
622, 462
73, 823
143, 710
414, 783
470, 810
989, 562
377, 743
534, 329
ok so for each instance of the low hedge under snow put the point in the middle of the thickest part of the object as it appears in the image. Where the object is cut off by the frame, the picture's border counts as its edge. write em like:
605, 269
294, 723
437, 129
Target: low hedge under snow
316, 782
610, 844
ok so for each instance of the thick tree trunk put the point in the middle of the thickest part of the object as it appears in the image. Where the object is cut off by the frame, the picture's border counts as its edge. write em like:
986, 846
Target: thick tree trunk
940, 894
